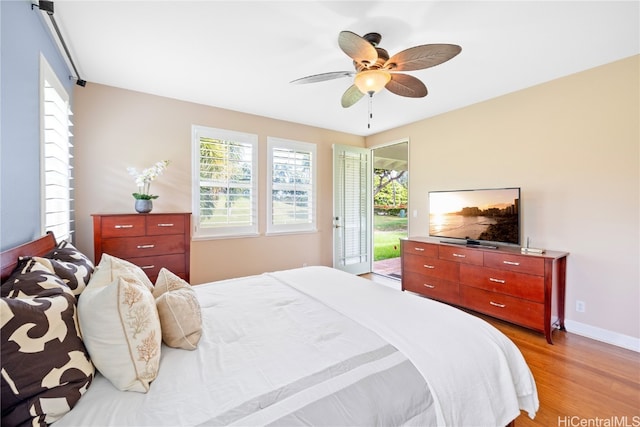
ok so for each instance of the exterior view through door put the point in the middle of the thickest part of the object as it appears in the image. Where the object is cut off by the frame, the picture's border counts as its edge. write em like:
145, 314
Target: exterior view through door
390, 201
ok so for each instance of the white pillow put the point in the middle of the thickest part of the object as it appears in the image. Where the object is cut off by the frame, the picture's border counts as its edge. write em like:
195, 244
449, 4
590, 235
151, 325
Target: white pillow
110, 268
120, 325
179, 311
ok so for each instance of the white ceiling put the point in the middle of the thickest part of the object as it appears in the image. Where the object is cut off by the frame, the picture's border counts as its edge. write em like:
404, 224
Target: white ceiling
241, 55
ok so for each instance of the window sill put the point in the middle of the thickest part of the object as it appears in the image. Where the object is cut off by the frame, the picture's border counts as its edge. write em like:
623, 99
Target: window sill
281, 233
225, 236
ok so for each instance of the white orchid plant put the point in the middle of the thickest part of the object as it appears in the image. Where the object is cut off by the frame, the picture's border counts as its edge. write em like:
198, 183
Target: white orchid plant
144, 178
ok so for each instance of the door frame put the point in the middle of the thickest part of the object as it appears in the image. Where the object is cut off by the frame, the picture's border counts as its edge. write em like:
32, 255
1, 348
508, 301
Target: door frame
370, 227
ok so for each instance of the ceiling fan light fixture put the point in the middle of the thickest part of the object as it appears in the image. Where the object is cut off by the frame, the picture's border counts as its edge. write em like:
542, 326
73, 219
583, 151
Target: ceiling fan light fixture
372, 81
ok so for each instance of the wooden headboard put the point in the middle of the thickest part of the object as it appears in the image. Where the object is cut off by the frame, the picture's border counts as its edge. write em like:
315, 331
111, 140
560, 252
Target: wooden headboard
39, 247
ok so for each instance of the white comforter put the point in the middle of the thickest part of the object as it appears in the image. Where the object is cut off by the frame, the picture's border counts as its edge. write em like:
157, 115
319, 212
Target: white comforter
476, 376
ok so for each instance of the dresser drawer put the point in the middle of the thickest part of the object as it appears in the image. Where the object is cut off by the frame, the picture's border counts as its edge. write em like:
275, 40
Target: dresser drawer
432, 267
132, 247
503, 281
528, 264
122, 226
515, 310
165, 224
152, 265
461, 255
420, 248
431, 287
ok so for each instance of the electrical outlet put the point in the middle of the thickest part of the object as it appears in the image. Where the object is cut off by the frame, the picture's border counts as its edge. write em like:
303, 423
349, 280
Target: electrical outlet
580, 306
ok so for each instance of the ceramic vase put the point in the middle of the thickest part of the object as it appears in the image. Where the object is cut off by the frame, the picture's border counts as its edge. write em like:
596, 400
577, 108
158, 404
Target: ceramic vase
144, 205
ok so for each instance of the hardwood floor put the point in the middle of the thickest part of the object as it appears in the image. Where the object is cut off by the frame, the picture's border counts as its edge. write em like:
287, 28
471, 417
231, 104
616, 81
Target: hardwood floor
581, 382
578, 379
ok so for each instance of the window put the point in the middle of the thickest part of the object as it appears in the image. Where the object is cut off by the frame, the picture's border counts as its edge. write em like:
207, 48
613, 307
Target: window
225, 188
291, 186
57, 153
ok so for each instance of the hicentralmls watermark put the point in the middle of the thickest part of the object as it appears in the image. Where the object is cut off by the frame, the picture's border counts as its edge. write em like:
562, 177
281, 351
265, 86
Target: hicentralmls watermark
614, 421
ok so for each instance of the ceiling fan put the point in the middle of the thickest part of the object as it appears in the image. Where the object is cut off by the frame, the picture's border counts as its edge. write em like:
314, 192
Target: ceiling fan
375, 70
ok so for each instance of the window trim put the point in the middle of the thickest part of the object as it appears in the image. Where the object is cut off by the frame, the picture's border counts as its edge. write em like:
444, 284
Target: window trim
224, 232
297, 228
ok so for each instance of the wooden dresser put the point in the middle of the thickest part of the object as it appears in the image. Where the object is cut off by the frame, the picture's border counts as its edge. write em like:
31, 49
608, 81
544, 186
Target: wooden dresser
525, 289
151, 241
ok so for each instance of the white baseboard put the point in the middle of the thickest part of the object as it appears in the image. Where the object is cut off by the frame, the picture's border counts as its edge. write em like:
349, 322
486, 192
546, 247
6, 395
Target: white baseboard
599, 334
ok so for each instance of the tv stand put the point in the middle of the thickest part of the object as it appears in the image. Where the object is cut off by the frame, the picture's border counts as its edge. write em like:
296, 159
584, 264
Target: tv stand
524, 289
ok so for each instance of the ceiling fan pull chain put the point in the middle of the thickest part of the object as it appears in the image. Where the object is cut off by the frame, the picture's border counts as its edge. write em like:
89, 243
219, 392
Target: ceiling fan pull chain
370, 110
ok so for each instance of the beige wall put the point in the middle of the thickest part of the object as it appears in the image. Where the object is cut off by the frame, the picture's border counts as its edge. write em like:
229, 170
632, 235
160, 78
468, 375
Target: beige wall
572, 145
116, 128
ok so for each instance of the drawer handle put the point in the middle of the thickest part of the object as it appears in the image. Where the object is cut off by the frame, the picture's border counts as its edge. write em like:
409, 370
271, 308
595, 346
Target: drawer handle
123, 226
428, 286
146, 246
429, 266
165, 225
495, 304
459, 255
510, 263
147, 267
419, 249
491, 279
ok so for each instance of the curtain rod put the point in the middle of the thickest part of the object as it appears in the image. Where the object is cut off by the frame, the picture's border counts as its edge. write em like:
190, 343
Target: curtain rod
47, 6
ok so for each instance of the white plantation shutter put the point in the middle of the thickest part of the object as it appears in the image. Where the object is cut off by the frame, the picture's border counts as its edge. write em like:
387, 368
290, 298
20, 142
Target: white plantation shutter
225, 188
352, 206
57, 154
291, 186
356, 178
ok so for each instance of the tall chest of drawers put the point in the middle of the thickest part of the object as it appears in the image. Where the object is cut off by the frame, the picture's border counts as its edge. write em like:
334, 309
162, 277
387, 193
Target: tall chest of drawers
151, 241
525, 289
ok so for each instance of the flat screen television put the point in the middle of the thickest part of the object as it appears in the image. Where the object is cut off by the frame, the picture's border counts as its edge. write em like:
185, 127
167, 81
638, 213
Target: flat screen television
481, 217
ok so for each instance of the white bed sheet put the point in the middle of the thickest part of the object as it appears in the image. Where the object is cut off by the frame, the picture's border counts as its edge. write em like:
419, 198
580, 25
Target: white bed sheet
477, 376
246, 322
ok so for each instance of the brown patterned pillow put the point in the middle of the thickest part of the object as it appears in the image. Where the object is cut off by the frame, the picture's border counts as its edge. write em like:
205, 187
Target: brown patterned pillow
179, 311
71, 265
31, 278
45, 366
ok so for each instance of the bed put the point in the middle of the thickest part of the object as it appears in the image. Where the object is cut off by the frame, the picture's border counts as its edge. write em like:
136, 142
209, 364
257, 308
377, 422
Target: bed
307, 346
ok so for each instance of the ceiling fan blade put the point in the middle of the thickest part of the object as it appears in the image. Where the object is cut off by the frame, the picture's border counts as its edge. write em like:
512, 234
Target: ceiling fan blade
357, 48
406, 85
351, 96
324, 76
423, 56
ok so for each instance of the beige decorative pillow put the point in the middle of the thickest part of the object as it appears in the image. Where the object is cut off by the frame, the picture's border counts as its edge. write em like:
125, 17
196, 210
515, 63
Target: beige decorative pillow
167, 282
110, 268
179, 311
120, 326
